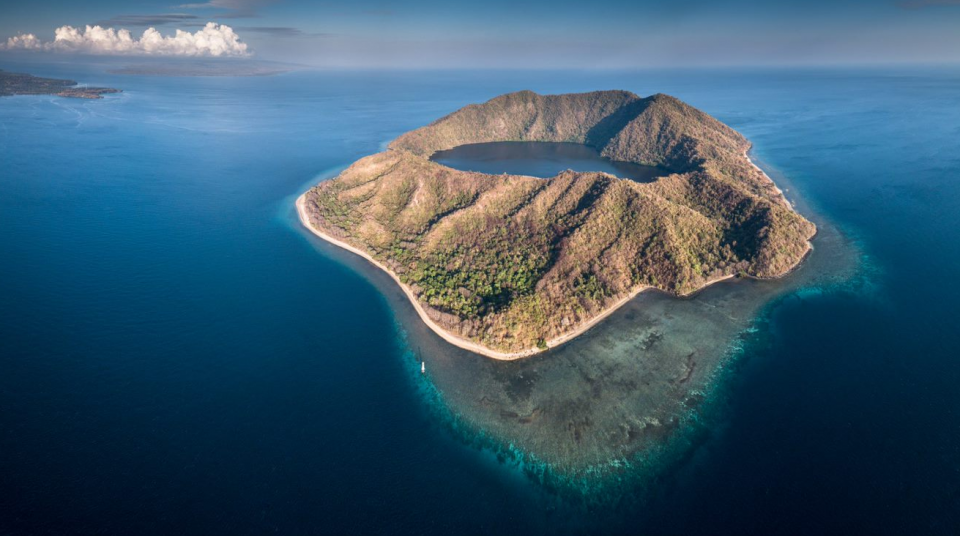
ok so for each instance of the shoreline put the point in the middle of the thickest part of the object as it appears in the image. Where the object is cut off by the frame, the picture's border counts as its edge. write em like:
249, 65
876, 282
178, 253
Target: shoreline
746, 154
806, 252
477, 348
436, 328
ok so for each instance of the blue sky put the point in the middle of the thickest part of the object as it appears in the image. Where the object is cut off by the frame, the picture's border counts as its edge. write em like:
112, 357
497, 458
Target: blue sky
538, 34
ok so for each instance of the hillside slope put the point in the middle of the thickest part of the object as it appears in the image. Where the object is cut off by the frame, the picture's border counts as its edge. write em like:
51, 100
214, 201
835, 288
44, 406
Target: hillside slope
513, 263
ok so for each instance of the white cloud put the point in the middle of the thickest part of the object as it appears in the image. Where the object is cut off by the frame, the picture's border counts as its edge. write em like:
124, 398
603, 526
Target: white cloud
213, 40
23, 41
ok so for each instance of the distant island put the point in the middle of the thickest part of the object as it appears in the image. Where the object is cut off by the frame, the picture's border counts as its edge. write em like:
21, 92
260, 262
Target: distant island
508, 265
25, 84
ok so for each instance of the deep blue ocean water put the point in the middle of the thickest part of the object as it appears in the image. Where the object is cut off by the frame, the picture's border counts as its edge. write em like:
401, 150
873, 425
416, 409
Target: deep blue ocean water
178, 357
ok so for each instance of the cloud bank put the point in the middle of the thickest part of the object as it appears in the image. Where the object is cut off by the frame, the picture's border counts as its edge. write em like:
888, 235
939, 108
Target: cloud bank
213, 40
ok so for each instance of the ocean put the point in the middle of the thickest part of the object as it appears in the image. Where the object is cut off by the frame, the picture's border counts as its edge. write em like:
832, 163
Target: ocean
178, 356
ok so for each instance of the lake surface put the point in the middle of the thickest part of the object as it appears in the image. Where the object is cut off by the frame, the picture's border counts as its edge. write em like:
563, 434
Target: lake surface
178, 356
539, 159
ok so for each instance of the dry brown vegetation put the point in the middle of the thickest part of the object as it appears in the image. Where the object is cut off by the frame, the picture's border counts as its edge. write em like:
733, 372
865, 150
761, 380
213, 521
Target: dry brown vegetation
512, 261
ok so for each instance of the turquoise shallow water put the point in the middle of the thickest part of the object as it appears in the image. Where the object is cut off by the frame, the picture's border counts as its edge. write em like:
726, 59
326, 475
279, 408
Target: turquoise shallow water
178, 357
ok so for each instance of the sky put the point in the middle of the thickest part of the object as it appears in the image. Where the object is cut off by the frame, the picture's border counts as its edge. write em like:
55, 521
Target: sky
497, 33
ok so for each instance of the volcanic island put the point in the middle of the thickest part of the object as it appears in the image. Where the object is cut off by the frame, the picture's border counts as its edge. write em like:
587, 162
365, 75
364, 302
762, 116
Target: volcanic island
508, 266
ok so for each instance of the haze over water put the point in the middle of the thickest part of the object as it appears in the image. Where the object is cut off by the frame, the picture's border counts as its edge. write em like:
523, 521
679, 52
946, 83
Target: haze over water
178, 356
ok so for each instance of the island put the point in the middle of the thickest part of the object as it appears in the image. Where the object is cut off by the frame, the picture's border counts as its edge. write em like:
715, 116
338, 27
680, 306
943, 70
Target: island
25, 84
508, 266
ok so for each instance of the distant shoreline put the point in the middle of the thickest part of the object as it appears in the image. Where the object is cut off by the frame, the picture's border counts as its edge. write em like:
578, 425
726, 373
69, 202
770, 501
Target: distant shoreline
460, 341
26, 84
